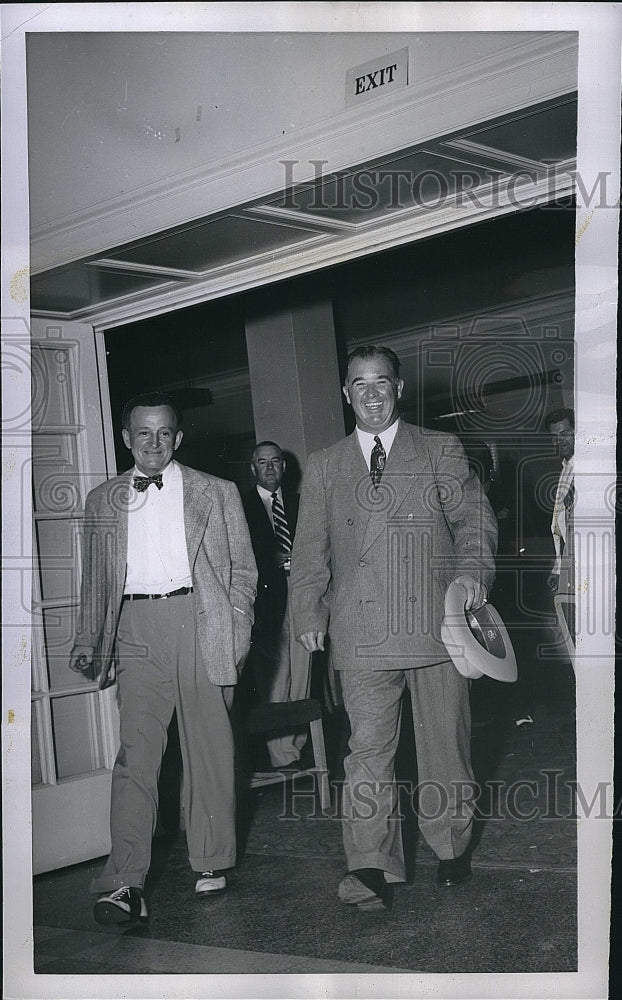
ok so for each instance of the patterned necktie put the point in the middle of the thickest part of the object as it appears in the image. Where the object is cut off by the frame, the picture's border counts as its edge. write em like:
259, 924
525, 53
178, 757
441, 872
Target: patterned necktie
281, 529
378, 459
141, 483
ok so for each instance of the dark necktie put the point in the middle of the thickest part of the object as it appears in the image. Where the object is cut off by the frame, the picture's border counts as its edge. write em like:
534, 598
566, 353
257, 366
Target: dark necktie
141, 483
569, 498
378, 459
281, 529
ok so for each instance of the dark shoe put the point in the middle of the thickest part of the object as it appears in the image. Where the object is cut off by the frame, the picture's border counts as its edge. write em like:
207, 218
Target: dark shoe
455, 871
121, 906
210, 884
366, 889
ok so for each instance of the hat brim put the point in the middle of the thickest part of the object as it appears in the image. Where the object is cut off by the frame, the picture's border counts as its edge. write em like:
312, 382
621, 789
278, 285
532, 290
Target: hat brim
477, 641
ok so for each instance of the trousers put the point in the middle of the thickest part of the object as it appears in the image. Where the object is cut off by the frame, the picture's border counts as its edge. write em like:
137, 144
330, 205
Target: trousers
160, 669
282, 669
371, 826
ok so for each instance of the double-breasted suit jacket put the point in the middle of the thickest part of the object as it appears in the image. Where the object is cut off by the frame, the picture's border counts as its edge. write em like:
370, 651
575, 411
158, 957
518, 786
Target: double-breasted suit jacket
272, 583
222, 565
372, 565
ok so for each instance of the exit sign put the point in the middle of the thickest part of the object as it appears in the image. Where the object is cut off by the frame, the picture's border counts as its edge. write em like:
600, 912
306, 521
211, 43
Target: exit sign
380, 76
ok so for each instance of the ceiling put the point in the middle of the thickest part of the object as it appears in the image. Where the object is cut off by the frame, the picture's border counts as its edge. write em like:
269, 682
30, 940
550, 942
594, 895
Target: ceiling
502, 165
168, 169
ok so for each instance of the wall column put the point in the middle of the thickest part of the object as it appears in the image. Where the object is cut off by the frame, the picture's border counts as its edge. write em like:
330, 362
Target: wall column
294, 374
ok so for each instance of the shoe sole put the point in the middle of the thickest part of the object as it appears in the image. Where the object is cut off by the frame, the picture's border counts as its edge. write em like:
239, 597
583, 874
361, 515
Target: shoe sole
210, 892
445, 884
353, 892
108, 913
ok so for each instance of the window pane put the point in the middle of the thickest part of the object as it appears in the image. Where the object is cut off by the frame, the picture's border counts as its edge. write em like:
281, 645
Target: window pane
57, 483
35, 749
77, 736
58, 559
59, 631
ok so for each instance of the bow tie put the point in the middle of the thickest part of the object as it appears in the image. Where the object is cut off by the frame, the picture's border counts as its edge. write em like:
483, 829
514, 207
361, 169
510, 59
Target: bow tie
141, 483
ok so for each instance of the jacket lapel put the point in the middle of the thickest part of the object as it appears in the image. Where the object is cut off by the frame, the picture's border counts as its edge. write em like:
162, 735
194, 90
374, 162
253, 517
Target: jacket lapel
406, 460
351, 483
197, 506
119, 499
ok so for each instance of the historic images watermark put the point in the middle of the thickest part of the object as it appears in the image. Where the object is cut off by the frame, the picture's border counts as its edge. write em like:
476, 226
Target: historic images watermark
374, 188
526, 800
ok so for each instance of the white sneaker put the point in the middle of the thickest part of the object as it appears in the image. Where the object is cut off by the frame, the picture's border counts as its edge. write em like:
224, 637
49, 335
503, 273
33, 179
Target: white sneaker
211, 883
121, 906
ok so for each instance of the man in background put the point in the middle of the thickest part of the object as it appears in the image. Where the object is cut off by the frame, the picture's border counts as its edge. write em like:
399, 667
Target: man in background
560, 424
168, 584
280, 666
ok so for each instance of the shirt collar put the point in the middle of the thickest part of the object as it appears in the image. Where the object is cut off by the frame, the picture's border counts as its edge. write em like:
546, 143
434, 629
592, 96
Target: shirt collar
266, 494
170, 472
387, 436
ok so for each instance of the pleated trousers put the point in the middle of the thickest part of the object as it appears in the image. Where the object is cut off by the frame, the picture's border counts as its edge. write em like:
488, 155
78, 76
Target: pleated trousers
160, 669
444, 792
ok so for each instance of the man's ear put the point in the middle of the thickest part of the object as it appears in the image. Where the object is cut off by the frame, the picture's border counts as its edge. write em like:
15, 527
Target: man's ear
178, 439
125, 434
347, 394
400, 386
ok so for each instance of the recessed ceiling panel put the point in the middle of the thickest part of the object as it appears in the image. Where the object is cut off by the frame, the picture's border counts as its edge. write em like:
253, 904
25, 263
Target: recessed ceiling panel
420, 179
84, 285
546, 135
214, 244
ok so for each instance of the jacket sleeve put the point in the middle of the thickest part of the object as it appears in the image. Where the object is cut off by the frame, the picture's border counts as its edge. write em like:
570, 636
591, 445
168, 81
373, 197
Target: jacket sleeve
243, 566
92, 610
468, 513
311, 571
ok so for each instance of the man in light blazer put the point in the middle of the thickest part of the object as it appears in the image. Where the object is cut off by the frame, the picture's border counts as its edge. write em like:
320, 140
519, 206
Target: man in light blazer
168, 585
388, 518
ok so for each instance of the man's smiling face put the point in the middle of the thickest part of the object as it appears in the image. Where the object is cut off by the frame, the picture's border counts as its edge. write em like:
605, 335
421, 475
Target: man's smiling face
372, 390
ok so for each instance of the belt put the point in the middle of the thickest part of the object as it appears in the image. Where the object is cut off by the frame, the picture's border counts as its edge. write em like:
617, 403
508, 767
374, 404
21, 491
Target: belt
157, 597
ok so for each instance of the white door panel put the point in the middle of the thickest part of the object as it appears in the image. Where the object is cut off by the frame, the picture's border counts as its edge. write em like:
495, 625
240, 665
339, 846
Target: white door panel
74, 726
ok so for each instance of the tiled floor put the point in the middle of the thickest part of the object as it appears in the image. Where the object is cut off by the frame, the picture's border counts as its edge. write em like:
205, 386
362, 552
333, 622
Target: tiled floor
281, 913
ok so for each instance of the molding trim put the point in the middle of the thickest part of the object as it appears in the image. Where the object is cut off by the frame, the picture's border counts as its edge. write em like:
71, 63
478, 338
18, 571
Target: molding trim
559, 307
318, 253
533, 71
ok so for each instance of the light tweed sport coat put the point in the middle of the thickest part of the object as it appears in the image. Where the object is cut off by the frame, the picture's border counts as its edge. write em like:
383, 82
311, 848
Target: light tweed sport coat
372, 566
222, 564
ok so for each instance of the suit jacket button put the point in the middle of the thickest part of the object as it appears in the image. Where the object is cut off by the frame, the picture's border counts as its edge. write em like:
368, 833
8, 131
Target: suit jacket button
413, 600
349, 521
362, 562
410, 517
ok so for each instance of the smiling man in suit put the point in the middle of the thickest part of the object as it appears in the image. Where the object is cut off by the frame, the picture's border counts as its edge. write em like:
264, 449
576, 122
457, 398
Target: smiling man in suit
168, 585
280, 665
388, 518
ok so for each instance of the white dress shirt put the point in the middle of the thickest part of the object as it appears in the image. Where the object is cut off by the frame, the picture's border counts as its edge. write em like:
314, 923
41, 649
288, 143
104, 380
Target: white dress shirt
367, 440
157, 556
266, 498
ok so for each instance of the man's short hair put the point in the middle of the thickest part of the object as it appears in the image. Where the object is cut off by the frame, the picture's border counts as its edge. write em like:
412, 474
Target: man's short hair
149, 399
556, 417
265, 444
372, 351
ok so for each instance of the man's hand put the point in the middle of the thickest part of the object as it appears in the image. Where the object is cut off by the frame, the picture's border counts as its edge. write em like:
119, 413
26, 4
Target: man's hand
81, 658
312, 641
476, 592
553, 582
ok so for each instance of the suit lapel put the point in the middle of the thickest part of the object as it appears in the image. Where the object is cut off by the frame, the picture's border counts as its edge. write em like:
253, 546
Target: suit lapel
197, 506
353, 476
406, 460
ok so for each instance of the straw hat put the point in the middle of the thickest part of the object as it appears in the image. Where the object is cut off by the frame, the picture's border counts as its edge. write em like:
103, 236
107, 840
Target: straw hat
477, 641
